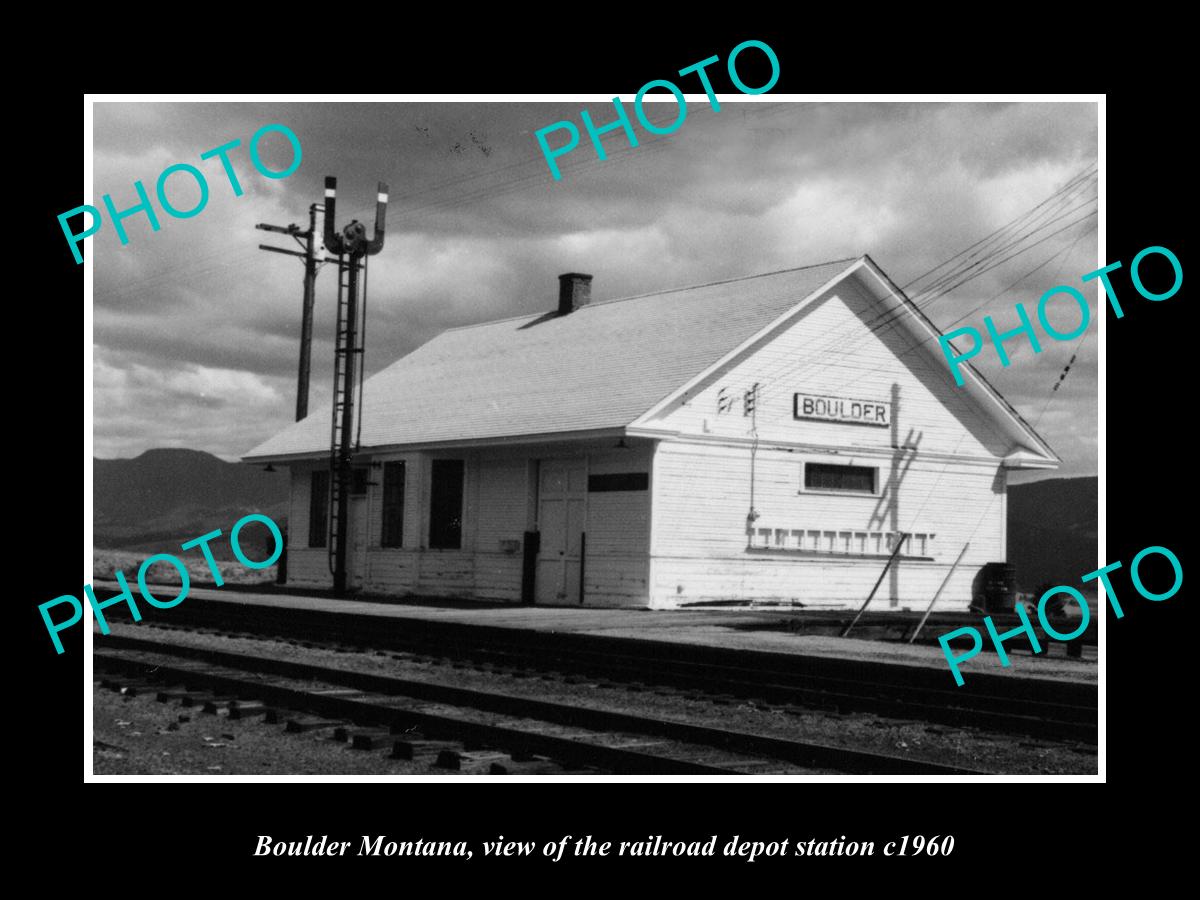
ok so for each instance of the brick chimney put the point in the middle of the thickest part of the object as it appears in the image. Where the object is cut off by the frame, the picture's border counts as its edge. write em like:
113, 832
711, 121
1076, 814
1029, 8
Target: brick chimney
574, 291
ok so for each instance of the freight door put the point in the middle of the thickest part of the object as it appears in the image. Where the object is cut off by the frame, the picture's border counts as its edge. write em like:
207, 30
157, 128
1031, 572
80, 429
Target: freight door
562, 514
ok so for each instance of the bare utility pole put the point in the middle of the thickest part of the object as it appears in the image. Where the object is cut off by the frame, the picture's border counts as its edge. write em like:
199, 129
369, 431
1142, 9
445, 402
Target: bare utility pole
307, 240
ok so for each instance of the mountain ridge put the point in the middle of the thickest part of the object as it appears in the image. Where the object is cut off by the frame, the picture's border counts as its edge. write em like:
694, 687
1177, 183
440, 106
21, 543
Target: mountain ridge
168, 495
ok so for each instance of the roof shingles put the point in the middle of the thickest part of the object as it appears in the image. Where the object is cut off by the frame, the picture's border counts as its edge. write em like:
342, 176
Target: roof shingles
601, 366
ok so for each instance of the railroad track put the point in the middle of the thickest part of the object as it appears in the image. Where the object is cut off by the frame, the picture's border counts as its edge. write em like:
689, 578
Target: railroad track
1041, 708
469, 729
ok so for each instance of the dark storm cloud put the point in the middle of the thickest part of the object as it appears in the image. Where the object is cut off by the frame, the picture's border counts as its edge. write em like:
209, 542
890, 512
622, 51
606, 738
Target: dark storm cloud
478, 229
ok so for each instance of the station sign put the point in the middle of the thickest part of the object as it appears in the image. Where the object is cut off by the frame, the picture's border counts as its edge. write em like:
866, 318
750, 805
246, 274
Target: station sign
842, 409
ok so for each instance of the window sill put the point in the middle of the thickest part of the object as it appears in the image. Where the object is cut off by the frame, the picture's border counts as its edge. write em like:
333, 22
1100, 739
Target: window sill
829, 493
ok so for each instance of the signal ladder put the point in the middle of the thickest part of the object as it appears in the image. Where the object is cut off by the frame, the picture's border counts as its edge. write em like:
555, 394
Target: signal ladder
339, 453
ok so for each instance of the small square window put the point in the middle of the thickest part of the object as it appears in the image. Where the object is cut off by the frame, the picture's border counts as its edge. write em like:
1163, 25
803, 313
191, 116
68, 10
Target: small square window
840, 478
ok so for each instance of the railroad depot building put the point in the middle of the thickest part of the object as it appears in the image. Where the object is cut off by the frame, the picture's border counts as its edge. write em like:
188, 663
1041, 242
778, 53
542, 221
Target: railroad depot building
760, 439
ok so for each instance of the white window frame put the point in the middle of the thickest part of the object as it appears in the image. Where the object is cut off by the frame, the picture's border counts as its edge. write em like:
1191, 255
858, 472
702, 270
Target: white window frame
804, 464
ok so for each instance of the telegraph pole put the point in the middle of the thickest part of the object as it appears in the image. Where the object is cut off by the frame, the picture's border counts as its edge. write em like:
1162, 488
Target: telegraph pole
307, 240
306, 322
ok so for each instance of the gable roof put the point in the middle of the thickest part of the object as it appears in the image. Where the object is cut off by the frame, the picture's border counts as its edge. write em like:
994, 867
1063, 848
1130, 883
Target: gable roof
599, 367
1006, 415
607, 366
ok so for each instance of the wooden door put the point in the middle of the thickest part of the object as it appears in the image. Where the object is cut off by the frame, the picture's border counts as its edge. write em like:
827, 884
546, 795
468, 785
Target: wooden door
562, 518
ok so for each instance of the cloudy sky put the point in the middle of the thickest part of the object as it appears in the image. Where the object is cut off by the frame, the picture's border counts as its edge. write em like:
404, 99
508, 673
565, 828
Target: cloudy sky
196, 330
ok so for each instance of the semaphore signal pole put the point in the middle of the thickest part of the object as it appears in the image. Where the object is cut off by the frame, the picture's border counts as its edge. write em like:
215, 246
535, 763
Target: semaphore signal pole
352, 246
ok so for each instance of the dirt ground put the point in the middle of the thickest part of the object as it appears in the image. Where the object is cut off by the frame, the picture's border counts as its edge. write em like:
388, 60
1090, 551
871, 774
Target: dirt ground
140, 736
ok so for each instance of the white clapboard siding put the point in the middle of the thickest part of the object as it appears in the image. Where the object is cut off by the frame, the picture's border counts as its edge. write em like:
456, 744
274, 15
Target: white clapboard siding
616, 570
618, 522
497, 576
501, 518
701, 549
616, 580
618, 538
309, 568
391, 570
805, 583
301, 478
446, 573
831, 350
495, 510
502, 508
306, 567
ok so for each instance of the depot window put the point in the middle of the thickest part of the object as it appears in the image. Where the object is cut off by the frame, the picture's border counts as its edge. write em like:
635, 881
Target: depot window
840, 479
318, 508
393, 504
446, 504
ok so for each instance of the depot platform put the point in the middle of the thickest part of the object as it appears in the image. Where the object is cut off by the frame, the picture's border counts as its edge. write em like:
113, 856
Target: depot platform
770, 630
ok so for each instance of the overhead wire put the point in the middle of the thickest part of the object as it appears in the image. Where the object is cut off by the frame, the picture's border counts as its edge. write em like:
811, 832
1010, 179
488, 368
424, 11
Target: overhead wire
857, 373
1008, 225
892, 318
1075, 352
1051, 204
881, 319
1024, 249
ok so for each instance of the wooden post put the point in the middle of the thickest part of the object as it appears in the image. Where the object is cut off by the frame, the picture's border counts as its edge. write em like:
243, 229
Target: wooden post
582, 561
941, 587
882, 575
